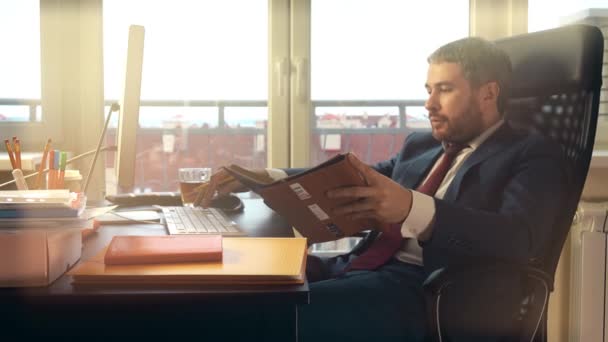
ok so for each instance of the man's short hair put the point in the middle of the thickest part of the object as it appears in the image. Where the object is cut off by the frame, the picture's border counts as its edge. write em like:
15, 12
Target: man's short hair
481, 62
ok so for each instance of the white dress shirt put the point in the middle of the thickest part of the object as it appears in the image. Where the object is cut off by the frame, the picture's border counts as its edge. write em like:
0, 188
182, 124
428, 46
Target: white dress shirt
417, 226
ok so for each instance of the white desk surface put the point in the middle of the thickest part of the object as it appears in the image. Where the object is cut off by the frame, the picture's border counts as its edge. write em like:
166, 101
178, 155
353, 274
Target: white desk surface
28, 161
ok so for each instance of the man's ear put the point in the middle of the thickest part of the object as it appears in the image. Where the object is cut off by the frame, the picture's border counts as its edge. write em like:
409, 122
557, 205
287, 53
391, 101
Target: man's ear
490, 91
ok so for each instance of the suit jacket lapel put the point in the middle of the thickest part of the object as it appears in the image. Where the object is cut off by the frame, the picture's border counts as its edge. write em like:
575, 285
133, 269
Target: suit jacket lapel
420, 167
496, 142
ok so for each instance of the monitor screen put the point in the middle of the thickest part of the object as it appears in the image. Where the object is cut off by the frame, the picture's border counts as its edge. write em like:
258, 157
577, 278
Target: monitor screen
128, 120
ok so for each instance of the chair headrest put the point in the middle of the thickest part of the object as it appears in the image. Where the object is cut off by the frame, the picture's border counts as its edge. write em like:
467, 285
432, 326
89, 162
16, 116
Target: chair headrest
551, 61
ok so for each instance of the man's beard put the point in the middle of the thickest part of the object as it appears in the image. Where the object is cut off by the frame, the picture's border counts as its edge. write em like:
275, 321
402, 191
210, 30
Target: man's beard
463, 128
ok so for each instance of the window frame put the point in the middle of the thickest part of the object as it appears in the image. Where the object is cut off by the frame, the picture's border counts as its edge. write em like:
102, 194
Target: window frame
72, 76
33, 133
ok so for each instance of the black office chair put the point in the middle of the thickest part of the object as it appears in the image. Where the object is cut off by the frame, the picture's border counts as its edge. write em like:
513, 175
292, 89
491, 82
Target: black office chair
555, 90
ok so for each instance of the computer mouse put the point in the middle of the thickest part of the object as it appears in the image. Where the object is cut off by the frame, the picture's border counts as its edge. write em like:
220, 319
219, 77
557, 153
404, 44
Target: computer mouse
228, 203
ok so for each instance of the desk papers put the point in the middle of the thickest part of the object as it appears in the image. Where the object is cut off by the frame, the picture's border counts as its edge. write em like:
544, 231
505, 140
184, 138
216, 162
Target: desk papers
245, 261
41, 204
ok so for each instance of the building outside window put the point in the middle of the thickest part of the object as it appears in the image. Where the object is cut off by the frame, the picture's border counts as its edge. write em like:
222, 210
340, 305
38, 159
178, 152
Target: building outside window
204, 84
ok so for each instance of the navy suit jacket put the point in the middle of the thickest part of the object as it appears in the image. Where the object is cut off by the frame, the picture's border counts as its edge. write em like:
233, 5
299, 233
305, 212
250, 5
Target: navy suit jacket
502, 203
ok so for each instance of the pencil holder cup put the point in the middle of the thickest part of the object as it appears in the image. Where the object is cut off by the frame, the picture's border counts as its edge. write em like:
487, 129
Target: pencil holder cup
72, 180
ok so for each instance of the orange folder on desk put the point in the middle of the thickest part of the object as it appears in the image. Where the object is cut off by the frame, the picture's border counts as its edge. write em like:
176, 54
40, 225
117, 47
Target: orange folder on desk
245, 261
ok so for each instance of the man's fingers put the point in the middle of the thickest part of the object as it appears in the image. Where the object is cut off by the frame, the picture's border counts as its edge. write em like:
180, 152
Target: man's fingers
208, 192
354, 207
230, 185
366, 172
220, 183
217, 180
351, 192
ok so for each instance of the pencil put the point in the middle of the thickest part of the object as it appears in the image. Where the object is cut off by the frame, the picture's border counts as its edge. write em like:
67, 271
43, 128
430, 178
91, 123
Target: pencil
45, 154
111, 148
15, 154
50, 178
7, 143
56, 168
18, 153
62, 159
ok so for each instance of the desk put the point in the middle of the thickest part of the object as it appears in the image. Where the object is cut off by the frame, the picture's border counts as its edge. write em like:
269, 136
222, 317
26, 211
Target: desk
209, 313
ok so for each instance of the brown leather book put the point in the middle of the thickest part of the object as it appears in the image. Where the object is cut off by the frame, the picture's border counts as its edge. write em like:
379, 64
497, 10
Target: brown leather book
128, 250
301, 198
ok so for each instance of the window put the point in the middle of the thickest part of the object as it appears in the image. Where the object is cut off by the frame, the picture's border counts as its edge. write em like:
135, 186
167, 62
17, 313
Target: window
545, 14
20, 89
204, 84
368, 68
20, 67
367, 73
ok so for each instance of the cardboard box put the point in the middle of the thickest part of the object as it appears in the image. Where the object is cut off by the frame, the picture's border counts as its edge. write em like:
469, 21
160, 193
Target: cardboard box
37, 257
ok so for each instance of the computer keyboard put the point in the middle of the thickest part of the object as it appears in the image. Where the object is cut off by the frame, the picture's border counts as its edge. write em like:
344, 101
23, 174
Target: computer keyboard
197, 220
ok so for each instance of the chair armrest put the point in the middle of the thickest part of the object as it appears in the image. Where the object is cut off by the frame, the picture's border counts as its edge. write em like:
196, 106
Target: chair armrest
460, 300
362, 234
443, 276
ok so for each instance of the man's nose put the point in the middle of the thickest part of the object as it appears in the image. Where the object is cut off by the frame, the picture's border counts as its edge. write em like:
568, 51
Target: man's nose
431, 103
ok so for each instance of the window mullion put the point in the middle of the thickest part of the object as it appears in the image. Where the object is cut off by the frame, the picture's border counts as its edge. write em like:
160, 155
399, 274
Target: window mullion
278, 83
300, 127
498, 18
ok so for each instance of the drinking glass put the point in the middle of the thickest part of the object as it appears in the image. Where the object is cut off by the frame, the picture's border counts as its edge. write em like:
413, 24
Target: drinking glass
190, 179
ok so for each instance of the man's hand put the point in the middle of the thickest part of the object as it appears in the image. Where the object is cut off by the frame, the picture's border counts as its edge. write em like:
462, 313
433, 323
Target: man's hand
382, 199
221, 183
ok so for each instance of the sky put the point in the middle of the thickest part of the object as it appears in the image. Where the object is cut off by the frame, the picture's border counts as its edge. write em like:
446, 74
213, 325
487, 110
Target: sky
208, 50
360, 49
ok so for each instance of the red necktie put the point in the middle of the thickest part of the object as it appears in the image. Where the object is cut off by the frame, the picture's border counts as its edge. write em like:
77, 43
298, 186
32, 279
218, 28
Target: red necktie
434, 180
389, 242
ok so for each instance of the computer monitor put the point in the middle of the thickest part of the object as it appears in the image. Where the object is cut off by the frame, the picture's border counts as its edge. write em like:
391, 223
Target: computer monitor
128, 120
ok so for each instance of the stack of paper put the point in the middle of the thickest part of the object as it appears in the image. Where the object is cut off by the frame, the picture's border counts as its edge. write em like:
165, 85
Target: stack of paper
244, 261
41, 204
39, 235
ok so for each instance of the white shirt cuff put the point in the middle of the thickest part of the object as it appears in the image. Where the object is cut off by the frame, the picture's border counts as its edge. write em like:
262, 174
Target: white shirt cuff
417, 224
276, 174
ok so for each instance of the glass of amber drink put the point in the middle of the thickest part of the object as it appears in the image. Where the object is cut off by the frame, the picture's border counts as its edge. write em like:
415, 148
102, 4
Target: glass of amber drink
190, 180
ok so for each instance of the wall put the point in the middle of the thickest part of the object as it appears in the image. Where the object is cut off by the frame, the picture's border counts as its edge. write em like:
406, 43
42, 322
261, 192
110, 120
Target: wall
72, 79
498, 19
596, 188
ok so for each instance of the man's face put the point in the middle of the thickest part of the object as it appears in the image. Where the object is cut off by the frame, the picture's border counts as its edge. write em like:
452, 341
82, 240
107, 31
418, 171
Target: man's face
453, 105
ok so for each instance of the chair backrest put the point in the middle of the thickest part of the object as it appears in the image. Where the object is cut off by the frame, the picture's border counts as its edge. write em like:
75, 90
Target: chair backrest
555, 90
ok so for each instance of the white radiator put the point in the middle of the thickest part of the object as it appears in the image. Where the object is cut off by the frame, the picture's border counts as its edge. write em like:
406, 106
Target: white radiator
588, 299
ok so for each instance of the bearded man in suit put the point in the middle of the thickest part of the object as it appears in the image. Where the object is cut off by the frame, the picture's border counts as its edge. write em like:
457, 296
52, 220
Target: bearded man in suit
472, 188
